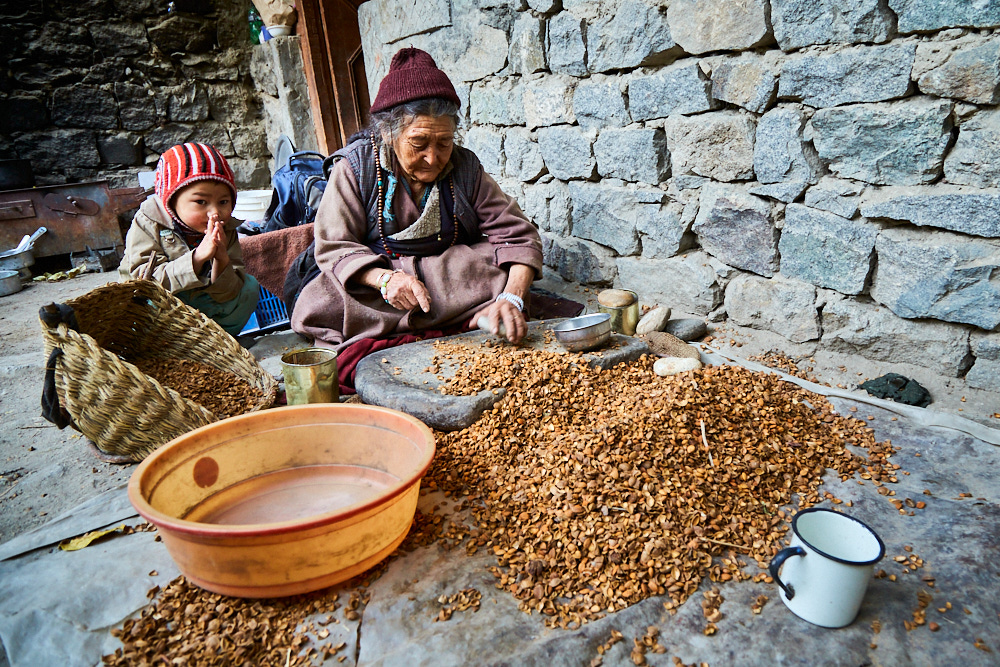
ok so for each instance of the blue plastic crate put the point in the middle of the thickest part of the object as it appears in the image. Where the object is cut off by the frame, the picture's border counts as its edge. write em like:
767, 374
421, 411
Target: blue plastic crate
270, 315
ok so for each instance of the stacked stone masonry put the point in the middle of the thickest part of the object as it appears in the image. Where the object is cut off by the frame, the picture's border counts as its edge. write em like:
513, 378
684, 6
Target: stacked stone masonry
825, 170
97, 89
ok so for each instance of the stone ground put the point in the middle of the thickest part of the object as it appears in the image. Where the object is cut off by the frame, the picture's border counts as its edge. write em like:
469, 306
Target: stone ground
45, 472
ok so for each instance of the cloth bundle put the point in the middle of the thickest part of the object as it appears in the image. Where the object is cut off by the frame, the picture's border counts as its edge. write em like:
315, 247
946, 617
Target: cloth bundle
276, 12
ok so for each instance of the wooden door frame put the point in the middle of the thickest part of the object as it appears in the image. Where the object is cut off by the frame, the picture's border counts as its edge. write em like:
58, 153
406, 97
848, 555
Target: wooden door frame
336, 114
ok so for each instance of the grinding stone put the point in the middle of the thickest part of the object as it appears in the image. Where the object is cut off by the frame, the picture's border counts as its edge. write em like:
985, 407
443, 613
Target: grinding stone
403, 382
654, 320
668, 345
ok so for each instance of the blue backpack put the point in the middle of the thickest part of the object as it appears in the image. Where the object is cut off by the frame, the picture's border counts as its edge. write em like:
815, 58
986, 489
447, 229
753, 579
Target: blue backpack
298, 189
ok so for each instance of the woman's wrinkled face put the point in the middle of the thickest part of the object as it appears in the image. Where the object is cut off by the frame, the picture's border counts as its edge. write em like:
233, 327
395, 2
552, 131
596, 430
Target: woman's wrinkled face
424, 147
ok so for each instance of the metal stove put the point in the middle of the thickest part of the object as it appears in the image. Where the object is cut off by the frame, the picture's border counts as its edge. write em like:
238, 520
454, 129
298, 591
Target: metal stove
81, 218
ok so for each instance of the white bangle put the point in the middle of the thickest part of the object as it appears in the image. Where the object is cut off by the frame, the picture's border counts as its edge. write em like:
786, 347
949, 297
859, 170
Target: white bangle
514, 299
383, 283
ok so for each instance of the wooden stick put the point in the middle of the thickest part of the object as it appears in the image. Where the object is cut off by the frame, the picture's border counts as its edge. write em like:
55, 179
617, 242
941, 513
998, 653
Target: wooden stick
704, 439
147, 272
11, 489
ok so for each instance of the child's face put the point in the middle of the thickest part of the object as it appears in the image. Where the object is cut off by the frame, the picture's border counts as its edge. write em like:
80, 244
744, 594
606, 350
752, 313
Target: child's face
193, 203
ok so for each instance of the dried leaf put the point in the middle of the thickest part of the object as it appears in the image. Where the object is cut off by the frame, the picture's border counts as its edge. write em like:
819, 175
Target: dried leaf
85, 540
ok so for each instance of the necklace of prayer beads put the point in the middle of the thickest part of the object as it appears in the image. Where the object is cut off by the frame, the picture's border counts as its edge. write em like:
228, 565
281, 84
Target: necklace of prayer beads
380, 202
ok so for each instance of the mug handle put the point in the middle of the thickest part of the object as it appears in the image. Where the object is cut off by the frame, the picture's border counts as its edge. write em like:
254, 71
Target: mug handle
775, 565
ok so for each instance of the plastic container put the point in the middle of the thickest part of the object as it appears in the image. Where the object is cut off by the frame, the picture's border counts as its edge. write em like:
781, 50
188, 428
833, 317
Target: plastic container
270, 315
288, 500
280, 30
252, 204
256, 24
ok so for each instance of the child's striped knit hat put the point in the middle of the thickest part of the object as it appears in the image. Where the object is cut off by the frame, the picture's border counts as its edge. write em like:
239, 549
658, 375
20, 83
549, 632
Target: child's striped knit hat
187, 163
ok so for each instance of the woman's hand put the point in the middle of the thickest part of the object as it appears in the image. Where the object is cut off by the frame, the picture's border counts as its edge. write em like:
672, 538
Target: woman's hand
405, 292
503, 311
519, 277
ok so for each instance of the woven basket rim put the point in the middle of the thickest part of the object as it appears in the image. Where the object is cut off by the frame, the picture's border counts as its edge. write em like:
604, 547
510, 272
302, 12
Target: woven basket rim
206, 321
70, 334
249, 371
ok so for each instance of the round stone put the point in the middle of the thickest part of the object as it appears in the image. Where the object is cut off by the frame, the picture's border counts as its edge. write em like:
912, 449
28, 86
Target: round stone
674, 365
687, 329
654, 320
615, 298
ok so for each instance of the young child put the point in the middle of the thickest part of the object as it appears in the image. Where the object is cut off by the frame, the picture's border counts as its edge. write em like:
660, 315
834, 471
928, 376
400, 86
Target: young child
188, 226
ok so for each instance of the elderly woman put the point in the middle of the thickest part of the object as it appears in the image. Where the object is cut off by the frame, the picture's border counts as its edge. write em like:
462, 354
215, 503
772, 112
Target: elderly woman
412, 234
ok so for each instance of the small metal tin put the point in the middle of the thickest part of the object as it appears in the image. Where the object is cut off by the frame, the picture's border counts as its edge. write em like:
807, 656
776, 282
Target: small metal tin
310, 376
624, 319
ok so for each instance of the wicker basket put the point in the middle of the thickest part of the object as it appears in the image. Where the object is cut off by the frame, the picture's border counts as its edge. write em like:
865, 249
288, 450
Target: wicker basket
124, 411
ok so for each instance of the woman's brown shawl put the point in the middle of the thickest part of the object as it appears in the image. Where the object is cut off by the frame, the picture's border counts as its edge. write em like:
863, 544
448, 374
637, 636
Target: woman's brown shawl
335, 310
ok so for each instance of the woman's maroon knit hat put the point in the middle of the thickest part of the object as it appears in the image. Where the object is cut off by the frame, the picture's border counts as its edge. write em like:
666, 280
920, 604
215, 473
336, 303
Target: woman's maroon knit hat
413, 75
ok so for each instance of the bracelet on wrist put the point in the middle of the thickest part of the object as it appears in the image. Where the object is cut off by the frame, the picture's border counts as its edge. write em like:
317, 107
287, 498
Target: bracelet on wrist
512, 299
383, 283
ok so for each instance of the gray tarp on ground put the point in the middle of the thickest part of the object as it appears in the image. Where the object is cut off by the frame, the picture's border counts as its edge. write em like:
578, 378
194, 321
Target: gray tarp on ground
57, 607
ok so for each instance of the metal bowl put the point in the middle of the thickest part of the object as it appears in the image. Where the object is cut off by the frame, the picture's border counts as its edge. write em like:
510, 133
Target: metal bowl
10, 282
288, 500
17, 261
586, 332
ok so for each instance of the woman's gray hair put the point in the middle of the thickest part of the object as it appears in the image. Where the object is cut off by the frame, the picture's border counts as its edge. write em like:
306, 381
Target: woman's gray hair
390, 123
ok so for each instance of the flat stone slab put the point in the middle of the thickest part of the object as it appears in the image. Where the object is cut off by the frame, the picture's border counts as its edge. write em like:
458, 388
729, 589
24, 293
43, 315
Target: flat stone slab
400, 378
56, 607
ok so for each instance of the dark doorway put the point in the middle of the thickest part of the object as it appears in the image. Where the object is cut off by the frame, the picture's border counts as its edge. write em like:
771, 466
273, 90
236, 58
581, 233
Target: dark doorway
335, 69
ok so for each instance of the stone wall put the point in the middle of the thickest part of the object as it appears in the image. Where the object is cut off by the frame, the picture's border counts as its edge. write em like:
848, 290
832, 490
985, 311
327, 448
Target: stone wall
96, 89
826, 170
278, 73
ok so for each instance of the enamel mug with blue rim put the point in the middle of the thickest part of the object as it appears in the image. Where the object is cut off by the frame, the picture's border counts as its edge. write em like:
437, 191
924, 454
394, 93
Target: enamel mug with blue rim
824, 572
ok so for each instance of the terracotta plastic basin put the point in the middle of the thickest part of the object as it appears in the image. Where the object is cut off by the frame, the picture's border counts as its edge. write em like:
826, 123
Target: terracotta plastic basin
288, 500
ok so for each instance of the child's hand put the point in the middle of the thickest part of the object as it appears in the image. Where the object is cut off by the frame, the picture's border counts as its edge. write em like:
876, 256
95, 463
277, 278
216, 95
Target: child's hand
217, 231
212, 247
205, 252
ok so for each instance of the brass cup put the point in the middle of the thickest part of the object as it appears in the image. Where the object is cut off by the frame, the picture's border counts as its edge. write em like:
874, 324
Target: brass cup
310, 376
624, 319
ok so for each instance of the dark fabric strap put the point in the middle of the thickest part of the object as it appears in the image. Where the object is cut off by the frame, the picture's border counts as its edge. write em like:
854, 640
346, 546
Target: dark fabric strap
52, 316
51, 410
300, 273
